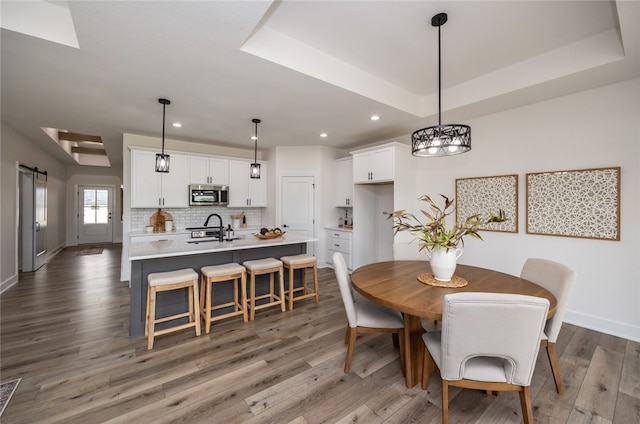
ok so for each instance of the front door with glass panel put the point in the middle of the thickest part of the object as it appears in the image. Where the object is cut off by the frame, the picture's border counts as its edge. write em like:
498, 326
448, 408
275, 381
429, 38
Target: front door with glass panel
95, 205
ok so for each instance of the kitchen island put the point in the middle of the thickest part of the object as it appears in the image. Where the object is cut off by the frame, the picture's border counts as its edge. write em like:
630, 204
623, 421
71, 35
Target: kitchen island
168, 255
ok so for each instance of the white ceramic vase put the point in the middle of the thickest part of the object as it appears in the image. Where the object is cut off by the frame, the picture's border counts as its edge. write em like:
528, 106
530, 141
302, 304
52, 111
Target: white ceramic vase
443, 262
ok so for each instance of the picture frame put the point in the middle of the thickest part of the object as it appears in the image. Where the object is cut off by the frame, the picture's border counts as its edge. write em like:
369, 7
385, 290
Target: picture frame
487, 195
583, 203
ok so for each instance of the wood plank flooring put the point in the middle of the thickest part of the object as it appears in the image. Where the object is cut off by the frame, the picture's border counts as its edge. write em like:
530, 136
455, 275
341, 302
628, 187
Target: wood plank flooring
64, 330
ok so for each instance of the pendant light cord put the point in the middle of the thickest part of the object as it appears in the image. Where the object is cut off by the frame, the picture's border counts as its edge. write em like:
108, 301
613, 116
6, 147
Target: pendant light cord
164, 106
439, 80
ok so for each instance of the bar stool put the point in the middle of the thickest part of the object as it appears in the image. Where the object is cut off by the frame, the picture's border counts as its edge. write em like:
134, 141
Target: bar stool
302, 262
222, 273
166, 281
265, 266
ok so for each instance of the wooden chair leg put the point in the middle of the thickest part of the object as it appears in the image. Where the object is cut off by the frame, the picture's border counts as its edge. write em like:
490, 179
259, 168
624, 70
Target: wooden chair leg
283, 306
445, 402
352, 342
315, 283
243, 291
252, 296
525, 402
196, 303
428, 366
347, 334
291, 280
152, 318
555, 366
394, 337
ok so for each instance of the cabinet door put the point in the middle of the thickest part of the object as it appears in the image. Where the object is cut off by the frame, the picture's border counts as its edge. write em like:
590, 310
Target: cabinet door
382, 164
344, 183
145, 181
258, 188
219, 171
238, 183
198, 170
175, 191
361, 167
208, 170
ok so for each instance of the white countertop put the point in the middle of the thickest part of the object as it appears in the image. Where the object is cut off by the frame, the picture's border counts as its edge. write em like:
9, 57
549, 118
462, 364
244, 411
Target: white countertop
335, 227
167, 248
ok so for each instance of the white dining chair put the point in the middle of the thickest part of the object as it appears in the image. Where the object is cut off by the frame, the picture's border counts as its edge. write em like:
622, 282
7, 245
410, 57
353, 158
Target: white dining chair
364, 316
559, 280
489, 341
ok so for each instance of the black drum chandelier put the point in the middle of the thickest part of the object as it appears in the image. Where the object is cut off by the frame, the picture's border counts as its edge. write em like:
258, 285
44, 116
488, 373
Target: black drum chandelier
441, 140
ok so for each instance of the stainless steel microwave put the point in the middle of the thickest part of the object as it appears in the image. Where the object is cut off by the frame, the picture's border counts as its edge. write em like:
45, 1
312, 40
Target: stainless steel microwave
208, 195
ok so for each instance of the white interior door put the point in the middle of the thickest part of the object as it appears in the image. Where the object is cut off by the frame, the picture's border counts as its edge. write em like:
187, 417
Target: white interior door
298, 207
95, 206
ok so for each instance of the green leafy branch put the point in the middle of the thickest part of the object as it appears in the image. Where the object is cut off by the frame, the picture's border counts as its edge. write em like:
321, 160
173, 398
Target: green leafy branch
433, 233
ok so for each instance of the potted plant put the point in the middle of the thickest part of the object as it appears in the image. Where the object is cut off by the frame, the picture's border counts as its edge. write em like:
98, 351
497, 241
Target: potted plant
439, 242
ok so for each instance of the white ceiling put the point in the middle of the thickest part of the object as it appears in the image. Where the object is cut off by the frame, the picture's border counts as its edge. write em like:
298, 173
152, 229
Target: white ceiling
303, 67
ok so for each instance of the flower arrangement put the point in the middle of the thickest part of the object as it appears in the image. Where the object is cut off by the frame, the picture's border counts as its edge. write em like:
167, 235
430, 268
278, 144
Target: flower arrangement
434, 233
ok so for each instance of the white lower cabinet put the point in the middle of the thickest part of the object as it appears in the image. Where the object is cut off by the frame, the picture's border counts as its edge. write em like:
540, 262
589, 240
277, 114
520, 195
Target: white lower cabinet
339, 241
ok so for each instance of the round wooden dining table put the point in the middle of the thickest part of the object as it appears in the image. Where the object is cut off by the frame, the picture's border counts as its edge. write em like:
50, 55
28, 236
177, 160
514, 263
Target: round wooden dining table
395, 284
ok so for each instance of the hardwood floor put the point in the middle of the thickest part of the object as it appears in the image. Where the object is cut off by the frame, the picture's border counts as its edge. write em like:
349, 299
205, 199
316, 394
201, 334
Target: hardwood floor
64, 331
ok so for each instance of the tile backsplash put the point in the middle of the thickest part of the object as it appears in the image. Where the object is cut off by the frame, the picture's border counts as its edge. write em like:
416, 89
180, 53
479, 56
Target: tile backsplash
195, 216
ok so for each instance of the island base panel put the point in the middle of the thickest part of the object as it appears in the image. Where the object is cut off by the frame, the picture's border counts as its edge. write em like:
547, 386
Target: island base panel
170, 303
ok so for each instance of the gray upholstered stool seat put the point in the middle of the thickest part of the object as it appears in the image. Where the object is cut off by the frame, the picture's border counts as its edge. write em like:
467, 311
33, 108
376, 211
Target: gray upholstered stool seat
232, 272
265, 266
301, 262
166, 281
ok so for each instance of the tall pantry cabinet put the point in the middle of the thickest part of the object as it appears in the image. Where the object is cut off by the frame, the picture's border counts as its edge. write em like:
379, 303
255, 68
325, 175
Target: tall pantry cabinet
384, 180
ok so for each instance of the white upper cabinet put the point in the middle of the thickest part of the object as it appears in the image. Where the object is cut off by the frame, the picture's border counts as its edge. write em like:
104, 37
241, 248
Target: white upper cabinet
151, 189
373, 165
243, 190
344, 182
208, 170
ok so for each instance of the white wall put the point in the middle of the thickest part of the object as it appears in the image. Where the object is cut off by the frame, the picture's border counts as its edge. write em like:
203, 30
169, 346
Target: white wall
310, 160
16, 149
591, 129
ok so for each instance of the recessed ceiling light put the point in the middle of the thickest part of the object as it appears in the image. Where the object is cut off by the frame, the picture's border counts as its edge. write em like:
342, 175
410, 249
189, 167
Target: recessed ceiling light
177, 124
374, 117
324, 135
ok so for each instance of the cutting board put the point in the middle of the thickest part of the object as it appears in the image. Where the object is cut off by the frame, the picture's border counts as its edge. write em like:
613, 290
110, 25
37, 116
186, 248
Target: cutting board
158, 219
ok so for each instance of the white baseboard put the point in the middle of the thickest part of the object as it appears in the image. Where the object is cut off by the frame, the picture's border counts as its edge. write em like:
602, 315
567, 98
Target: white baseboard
9, 282
614, 328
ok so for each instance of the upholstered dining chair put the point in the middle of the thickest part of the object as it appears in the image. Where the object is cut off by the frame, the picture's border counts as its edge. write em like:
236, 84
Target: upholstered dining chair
364, 316
559, 280
489, 341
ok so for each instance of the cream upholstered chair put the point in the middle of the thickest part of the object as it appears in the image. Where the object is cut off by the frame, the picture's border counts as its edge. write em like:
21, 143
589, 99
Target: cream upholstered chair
489, 341
364, 316
408, 252
559, 280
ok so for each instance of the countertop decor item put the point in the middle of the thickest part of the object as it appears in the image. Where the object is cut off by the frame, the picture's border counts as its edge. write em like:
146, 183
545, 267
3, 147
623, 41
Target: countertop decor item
439, 242
269, 236
441, 140
158, 220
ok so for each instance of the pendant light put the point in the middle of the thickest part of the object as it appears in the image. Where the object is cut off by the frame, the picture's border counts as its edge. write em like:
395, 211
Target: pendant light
441, 140
254, 168
162, 160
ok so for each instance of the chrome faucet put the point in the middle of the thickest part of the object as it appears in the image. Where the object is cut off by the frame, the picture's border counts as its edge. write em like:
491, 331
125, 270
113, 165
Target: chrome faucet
220, 228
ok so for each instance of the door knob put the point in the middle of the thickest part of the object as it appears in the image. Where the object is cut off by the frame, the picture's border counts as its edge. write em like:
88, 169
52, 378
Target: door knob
285, 226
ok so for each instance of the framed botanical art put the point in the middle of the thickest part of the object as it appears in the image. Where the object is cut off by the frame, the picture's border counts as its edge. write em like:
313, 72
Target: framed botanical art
579, 203
487, 195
